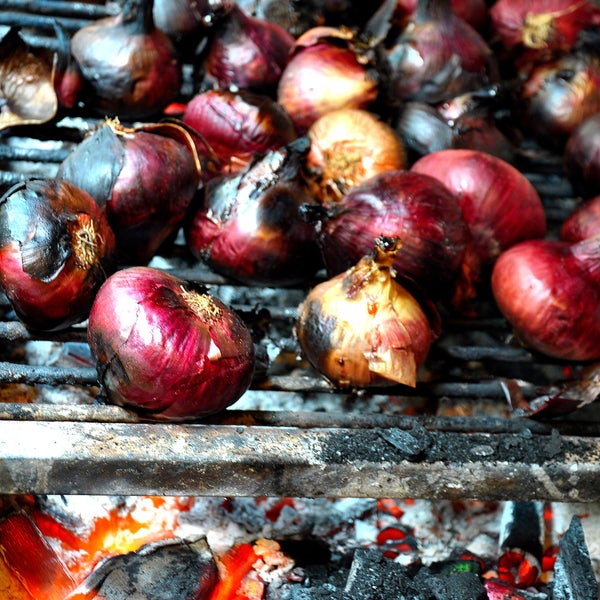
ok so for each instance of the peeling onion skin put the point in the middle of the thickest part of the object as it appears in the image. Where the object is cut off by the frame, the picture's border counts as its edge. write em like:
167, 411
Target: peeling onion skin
413, 207
362, 328
549, 292
56, 249
166, 350
249, 227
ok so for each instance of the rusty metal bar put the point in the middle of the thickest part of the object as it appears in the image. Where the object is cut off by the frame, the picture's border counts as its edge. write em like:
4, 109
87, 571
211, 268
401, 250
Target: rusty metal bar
237, 460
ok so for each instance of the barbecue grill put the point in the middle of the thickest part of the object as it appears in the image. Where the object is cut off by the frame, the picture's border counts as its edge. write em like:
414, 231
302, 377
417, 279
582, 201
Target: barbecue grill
311, 440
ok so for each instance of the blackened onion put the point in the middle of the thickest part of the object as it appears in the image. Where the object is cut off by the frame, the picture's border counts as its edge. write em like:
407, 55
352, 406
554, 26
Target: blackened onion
56, 249
130, 66
327, 69
581, 157
499, 204
583, 222
144, 178
166, 349
362, 328
249, 226
235, 126
549, 291
415, 208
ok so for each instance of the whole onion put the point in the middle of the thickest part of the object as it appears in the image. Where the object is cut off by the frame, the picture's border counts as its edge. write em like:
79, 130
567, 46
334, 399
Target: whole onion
130, 66
235, 126
559, 94
438, 55
549, 291
348, 146
581, 157
415, 208
249, 226
327, 69
499, 204
362, 328
56, 249
165, 349
583, 222
144, 178
244, 52
180, 18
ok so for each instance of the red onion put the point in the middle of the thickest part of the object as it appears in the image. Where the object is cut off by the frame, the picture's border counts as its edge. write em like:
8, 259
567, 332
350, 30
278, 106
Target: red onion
582, 157
234, 127
549, 291
249, 226
415, 208
499, 204
540, 24
131, 67
583, 222
56, 249
349, 146
326, 70
245, 52
144, 178
559, 94
438, 56
362, 328
166, 349
180, 18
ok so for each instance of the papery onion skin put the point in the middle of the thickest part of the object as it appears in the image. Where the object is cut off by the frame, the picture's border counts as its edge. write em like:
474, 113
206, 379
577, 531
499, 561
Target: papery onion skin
349, 146
132, 67
165, 349
559, 94
362, 328
549, 291
237, 125
144, 178
325, 72
249, 227
56, 249
501, 207
413, 207
581, 157
583, 222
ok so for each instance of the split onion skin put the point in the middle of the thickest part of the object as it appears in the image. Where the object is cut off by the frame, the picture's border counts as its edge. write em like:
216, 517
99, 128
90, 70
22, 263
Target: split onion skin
549, 292
56, 249
166, 350
501, 207
362, 328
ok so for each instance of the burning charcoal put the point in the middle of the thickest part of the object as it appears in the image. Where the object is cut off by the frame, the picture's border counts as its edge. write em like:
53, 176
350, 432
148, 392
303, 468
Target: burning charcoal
573, 573
499, 590
171, 570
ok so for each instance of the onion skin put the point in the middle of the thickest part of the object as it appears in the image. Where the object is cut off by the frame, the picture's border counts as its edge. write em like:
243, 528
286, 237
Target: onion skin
549, 291
131, 67
56, 249
362, 328
582, 223
349, 146
415, 208
325, 71
237, 125
165, 349
581, 157
144, 178
249, 226
499, 204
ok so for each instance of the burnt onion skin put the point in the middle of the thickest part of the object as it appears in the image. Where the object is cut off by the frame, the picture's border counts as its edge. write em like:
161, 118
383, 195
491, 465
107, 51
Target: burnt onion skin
249, 226
165, 349
549, 292
131, 68
415, 208
362, 328
56, 249
144, 178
